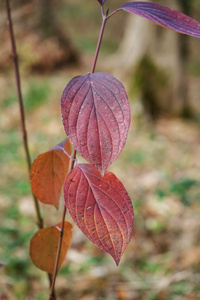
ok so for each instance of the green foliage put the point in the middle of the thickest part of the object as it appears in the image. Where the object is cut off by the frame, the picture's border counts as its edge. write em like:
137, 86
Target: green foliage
135, 157
182, 188
36, 95
180, 288
161, 194
8, 101
10, 142
185, 189
194, 68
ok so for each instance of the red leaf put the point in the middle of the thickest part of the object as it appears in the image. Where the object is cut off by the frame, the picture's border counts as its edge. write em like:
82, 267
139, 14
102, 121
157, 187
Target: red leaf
100, 207
44, 245
164, 16
96, 117
48, 173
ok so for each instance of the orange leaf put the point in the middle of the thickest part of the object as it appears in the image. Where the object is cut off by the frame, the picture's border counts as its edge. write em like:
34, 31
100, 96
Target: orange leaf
44, 245
48, 173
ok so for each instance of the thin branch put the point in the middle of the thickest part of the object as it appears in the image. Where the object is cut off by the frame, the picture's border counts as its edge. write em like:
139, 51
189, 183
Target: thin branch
51, 297
40, 222
21, 106
104, 19
50, 284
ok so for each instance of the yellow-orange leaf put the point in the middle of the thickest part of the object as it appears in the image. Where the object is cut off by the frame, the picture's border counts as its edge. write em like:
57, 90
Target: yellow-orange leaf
44, 245
48, 173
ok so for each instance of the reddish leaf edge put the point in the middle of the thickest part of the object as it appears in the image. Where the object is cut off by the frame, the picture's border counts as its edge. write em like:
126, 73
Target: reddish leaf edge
175, 21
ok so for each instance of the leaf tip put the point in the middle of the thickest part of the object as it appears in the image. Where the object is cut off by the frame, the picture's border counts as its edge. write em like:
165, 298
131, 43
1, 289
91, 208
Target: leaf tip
117, 261
116, 257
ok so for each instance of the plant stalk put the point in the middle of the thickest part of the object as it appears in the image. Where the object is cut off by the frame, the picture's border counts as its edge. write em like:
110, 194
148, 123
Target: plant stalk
21, 106
51, 297
40, 222
104, 19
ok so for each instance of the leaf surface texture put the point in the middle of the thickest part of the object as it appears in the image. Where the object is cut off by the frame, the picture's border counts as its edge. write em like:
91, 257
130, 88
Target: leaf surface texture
96, 117
101, 208
164, 16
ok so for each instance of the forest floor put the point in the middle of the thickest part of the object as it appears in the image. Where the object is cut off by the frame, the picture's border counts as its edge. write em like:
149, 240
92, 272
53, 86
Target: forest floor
159, 167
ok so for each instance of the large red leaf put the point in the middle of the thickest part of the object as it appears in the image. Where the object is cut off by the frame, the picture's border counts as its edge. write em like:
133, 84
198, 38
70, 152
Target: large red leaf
164, 16
101, 208
96, 117
44, 245
48, 173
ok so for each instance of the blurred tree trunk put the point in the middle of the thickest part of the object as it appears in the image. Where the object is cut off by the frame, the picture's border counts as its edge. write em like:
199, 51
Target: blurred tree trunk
186, 8
156, 59
50, 26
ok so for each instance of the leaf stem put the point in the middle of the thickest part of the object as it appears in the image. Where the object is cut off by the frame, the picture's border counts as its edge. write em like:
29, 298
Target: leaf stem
50, 284
111, 14
104, 19
51, 297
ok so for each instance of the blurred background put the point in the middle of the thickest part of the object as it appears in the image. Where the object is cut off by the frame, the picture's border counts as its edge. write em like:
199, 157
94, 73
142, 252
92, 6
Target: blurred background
159, 166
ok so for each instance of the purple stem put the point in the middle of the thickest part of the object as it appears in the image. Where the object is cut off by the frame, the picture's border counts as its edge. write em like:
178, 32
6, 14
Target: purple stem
51, 297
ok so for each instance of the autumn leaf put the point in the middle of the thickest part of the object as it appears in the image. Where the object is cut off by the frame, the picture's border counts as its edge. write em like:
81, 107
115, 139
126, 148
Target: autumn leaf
96, 117
164, 16
44, 245
101, 208
48, 173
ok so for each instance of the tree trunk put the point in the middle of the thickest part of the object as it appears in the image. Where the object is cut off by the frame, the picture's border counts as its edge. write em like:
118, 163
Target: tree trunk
158, 57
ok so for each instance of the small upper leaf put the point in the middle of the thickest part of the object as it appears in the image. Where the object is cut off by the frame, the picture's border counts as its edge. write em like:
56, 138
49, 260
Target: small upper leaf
164, 16
100, 207
48, 173
102, 1
96, 117
44, 245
